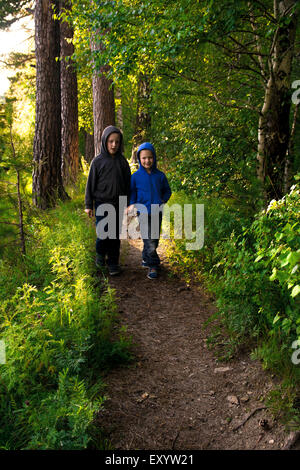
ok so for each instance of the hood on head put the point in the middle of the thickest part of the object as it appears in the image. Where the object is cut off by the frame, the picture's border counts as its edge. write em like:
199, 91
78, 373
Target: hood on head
146, 146
105, 134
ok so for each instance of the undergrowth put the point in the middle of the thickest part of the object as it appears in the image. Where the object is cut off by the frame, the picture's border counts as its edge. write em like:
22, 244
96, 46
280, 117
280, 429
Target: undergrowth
250, 264
59, 327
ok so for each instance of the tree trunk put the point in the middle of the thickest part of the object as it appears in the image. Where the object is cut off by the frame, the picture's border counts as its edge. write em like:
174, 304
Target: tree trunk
290, 153
89, 151
143, 117
69, 103
103, 100
274, 131
119, 108
47, 180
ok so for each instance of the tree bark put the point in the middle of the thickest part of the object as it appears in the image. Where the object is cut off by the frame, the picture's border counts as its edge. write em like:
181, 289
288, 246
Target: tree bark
89, 151
103, 100
69, 102
119, 109
143, 117
290, 153
273, 129
47, 183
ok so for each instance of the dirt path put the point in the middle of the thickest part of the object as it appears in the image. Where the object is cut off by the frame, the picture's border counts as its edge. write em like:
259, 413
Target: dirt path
176, 395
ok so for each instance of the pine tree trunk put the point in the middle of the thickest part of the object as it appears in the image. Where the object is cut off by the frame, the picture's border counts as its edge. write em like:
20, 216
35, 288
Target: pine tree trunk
89, 151
143, 116
69, 103
103, 100
119, 109
274, 131
47, 183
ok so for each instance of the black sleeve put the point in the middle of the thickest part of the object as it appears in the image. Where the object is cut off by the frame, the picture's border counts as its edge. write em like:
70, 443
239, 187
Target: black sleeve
90, 187
127, 179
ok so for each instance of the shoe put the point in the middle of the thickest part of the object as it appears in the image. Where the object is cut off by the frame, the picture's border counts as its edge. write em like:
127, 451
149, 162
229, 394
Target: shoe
152, 274
114, 270
100, 261
144, 264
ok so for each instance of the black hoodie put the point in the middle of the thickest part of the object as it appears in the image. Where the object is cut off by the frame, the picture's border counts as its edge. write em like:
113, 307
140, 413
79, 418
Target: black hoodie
109, 177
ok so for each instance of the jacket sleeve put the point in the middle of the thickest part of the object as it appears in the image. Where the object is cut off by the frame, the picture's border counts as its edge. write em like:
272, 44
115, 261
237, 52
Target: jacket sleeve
90, 187
166, 190
133, 193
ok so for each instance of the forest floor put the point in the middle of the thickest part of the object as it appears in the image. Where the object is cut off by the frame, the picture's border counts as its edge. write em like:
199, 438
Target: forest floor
176, 395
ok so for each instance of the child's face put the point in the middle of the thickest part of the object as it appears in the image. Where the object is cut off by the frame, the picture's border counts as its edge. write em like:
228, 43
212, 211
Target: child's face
113, 143
146, 159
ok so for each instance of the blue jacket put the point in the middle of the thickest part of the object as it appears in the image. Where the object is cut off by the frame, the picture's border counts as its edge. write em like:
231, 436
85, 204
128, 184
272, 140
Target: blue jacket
148, 188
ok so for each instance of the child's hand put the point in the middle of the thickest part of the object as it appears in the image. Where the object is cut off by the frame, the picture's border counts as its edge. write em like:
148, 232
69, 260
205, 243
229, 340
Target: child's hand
129, 209
89, 212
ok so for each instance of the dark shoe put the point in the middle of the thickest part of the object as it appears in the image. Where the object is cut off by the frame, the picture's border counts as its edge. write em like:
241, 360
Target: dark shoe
100, 261
144, 264
114, 270
152, 274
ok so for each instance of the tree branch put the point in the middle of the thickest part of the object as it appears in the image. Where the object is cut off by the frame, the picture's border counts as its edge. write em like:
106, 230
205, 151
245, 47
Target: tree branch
271, 17
230, 105
258, 43
246, 51
237, 51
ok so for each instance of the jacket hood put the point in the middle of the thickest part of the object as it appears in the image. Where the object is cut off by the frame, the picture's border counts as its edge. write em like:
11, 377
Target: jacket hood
146, 146
105, 134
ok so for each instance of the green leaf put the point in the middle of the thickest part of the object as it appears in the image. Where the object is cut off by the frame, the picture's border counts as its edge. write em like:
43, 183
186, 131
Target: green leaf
277, 317
295, 268
295, 290
273, 275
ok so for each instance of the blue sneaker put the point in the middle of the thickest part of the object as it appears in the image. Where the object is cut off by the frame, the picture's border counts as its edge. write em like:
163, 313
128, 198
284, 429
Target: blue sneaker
144, 264
152, 274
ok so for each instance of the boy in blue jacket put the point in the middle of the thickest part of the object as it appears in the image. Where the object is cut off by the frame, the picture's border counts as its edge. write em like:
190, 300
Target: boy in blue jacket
149, 191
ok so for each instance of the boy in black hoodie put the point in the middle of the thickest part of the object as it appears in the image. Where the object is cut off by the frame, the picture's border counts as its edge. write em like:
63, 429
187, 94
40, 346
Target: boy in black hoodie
109, 178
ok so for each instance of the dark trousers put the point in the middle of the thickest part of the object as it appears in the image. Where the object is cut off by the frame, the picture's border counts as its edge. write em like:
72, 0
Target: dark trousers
109, 247
150, 240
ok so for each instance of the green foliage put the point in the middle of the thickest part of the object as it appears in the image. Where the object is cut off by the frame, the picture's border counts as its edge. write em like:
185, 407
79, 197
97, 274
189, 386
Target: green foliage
251, 266
221, 218
207, 81
284, 403
11, 10
61, 420
256, 277
206, 146
206, 88
204, 155
57, 326
16, 135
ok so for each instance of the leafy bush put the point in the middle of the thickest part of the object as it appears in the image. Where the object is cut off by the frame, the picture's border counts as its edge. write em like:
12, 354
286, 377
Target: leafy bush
250, 263
256, 279
62, 418
58, 325
221, 218
267, 256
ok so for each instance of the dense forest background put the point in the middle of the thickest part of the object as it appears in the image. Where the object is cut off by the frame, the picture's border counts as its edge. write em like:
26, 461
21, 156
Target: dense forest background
215, 86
